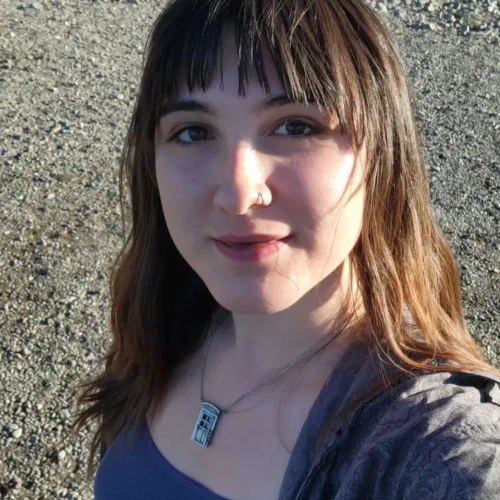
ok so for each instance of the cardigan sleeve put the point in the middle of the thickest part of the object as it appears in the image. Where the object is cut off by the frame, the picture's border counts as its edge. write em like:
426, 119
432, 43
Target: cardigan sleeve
461, 467
436, 437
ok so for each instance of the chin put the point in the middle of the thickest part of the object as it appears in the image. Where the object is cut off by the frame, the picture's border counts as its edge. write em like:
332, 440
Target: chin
247, 302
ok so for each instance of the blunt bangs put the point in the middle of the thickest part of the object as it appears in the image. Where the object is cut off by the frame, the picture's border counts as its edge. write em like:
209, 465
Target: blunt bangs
317, 49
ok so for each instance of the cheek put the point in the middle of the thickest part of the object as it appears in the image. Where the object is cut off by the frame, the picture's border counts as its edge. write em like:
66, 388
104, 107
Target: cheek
342, 177
339, 214
177, 192
178, 185
325, 182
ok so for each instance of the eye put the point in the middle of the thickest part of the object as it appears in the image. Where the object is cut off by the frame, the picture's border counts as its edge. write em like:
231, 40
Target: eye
190, 135
291, 128
296, 128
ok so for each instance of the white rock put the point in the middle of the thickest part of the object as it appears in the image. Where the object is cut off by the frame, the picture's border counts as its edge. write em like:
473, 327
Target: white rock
17, 433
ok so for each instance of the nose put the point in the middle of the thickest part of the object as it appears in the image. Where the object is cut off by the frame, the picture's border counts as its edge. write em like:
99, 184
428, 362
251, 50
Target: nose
241, 179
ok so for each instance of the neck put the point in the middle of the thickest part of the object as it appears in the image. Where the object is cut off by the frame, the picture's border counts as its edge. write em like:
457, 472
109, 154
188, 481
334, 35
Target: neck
259, 344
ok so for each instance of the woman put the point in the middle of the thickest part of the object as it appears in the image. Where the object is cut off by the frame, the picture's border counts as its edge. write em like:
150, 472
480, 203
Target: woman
282, 232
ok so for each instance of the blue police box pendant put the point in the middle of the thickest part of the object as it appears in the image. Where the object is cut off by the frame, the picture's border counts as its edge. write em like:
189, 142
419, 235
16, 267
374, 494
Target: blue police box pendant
205, 425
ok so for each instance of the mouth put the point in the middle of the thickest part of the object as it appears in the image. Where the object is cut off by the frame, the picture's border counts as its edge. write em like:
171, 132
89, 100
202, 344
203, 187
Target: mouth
251, 244
251, 251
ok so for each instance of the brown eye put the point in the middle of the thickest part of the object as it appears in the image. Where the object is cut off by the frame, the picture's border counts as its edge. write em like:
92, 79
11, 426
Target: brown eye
191, 134
296, 128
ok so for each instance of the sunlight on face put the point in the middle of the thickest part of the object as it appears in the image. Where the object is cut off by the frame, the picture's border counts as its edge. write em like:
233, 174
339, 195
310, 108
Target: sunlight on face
216, 152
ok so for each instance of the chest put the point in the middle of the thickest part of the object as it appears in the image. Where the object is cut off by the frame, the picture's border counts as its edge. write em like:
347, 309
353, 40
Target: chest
250, 449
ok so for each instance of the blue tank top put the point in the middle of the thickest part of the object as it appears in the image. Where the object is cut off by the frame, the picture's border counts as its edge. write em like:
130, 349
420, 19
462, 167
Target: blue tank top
133, 468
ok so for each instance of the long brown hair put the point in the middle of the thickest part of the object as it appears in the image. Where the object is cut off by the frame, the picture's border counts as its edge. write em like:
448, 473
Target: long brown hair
338, 53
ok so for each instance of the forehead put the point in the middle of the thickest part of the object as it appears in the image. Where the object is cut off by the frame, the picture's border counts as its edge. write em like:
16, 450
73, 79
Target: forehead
226, 77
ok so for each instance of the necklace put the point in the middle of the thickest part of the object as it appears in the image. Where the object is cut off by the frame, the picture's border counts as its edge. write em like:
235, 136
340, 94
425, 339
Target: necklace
210, 414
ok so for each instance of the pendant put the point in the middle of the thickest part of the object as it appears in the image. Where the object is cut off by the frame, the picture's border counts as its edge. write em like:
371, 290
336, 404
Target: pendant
205, 425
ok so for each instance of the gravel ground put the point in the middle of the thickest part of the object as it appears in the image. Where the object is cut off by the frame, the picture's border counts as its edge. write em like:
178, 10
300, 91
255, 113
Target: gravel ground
69, 71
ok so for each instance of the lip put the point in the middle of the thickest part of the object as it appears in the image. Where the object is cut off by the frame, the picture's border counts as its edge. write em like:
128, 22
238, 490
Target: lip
252, 252
249, 238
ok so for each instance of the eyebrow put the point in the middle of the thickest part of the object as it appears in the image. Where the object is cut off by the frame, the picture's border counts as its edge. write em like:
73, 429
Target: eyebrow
193, 105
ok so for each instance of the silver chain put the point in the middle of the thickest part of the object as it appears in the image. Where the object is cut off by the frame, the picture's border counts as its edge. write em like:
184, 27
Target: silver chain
273, 375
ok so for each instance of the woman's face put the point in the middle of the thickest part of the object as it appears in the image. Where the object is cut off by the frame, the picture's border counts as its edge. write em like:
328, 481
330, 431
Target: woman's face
214, 157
